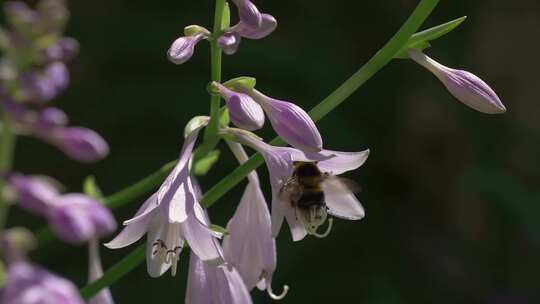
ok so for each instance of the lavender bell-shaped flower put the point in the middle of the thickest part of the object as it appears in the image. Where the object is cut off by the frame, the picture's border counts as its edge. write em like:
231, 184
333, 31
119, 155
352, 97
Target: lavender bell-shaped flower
290, 122
31, 284
244, 112
172, 216
253, 254
182, 49
465, 86
212, 284
76, 218
95, 271
340, 202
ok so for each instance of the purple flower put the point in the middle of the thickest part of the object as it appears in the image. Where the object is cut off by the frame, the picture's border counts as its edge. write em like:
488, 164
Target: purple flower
76, 218
31, 284
182, 49
172, 216
465, 86
20, 15
229, 42
244, 112
341, 202
79, 143
290, 122
249, 13
253, 254
211, 284
34, 193
95, 271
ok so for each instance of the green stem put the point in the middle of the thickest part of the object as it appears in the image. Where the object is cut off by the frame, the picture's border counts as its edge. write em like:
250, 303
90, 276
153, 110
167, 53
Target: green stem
116, 272
211, 137
7, 146
380, 59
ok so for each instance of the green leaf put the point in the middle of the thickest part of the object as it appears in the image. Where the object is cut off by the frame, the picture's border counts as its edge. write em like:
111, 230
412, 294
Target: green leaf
203, 165
421, 39
226, 17
219, 229
91, 188
242, 82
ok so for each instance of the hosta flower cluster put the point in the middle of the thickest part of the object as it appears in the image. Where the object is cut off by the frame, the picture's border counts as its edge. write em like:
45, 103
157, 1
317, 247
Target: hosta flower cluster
225, 264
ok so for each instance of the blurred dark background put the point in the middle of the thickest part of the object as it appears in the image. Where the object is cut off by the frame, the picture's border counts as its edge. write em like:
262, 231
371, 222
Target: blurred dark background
452, 196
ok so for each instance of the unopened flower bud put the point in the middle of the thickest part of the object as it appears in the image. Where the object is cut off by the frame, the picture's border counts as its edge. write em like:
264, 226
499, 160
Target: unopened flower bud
229, 42
244, 112
81, 144
268, 25
465, 86
290, 122
64, 50
51, 117
182, 49
33, 193
77, 218
195, 123
20, 15
249, 13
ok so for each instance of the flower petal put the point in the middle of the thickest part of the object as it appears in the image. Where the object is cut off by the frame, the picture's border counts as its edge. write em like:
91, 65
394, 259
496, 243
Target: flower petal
130, 234
298, 231
344, 205
342, 161
154, 265
149, 205
201, 241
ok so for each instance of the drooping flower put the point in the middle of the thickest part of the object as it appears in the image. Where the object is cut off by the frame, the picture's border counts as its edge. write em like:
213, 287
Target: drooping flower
182, 48
463, 85
95, 271
290, 122
279, 160
76, 218
244, 112
253, 254
172, 216
213, 284
30, 284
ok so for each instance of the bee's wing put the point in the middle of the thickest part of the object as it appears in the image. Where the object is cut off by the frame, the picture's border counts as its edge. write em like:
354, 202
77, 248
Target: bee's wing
342, 185
340, 199
291, 190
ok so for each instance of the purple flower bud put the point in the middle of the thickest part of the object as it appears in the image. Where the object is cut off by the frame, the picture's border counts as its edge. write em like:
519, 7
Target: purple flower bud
81, 144
42, 87
182, 48
290, 122
229, 42
245, 113
34, 193
249, 13
50, 118
268, 25
77, 218
30, 284
465, 86
64, 50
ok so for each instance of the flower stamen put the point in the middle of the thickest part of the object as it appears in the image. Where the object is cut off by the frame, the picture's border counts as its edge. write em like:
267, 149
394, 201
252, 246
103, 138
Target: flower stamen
326, 233
271, 293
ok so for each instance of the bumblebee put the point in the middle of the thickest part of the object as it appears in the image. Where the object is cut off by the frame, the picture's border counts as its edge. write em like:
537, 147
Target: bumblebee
305, 191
